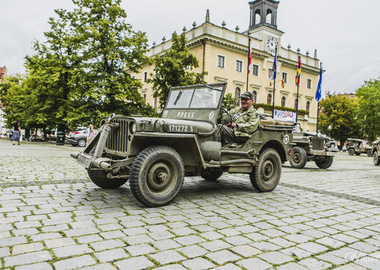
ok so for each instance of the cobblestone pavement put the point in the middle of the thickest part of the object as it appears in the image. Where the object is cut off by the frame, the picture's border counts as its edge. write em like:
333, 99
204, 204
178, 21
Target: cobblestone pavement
53, 217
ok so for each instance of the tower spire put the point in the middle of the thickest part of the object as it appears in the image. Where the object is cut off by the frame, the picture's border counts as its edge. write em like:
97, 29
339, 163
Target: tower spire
208, 16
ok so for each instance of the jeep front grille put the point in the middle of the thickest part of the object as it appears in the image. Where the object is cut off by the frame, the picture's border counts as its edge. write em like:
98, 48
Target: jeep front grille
318, 143
117, 142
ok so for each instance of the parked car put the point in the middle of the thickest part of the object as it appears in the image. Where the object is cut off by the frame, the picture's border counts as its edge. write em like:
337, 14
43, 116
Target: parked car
78, 137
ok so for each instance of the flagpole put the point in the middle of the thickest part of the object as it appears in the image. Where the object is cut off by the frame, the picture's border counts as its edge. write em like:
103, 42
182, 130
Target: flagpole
298, 87
319, 85
317, 116
274, 82
249, 57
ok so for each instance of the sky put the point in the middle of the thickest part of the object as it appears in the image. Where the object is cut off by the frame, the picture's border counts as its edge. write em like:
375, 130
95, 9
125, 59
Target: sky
346, 33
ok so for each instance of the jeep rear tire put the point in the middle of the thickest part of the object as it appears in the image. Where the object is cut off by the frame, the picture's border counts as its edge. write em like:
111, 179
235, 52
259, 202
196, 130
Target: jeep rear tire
99, 178
325, 162
298, 157
375, 156
157, 175
211, 175
351, 151
266, 175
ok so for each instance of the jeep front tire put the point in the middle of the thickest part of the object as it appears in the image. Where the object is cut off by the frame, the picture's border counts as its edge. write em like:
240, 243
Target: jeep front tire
324, 162
298, 157
375, 157
156, 175
266, 175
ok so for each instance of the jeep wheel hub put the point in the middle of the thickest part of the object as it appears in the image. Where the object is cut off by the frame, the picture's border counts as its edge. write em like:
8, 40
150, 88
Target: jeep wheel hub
267, 170
159, 176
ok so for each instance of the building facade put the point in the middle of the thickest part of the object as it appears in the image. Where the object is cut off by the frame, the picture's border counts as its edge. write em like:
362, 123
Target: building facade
223, 53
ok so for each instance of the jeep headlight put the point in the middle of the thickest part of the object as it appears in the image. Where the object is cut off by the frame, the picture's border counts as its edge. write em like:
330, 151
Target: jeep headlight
132, 128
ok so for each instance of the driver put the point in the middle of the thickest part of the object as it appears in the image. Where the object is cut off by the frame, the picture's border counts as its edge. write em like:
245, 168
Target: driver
243, 121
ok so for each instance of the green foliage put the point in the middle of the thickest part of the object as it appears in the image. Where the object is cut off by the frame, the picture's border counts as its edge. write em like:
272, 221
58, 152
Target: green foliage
81, 73
15, 99
338, 117
369, 113
171, 69
229, 102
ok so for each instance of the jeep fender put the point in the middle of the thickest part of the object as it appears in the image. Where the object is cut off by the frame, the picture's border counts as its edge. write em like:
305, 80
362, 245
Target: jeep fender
187, 145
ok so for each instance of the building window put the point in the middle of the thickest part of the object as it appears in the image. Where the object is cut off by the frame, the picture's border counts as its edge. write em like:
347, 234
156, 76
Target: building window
295, 103
283, 101
269, 99
155, 103
237, 96
145, 76
221, 61
257, 17
285, 77
308, 83
145, 97
239, 65
254, 93
308, 108
255, 70
268, 18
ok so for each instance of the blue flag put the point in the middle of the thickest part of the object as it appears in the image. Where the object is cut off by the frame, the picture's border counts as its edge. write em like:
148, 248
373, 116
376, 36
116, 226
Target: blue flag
274, 65
318, 94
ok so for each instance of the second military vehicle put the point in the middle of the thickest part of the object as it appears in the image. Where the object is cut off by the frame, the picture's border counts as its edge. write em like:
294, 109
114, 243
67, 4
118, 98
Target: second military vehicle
358, 146
155, 154
309, 146
375, 152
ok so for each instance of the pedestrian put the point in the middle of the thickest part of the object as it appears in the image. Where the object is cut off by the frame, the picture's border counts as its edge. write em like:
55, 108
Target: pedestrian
90, 133
242, 122
16, 134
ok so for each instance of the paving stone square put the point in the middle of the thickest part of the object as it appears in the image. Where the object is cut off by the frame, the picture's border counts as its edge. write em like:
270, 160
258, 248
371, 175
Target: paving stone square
53, 217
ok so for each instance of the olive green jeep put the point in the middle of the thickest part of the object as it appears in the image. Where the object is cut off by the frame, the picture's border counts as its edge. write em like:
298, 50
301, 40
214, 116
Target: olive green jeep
308, 146
358, 146
375, 152
155, 154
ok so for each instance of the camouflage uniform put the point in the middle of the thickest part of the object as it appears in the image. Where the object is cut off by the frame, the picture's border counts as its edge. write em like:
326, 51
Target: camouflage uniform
247, 123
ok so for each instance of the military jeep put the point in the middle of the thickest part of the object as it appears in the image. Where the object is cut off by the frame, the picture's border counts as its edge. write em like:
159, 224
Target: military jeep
155, 154
309, 146
358, 146
375, 152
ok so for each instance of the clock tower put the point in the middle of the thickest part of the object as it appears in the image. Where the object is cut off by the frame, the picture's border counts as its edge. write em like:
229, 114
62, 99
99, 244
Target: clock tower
263, 23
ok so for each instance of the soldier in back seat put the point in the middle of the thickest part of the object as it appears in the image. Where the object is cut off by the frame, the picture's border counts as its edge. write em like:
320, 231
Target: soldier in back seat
240, 122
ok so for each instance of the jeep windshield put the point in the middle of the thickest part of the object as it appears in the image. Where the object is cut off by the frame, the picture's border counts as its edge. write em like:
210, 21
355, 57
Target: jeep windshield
194, 98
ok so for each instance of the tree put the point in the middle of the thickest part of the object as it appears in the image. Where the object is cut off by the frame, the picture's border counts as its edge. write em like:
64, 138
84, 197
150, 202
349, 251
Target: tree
338, 117
81, 73
229, 102
369, 113
15, 99
171, 69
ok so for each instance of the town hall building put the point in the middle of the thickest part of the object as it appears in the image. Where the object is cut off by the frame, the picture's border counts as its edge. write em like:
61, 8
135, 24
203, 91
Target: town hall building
223, 54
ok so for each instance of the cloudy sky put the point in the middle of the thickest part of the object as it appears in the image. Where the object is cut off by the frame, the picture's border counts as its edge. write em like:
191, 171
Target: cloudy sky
346, 33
